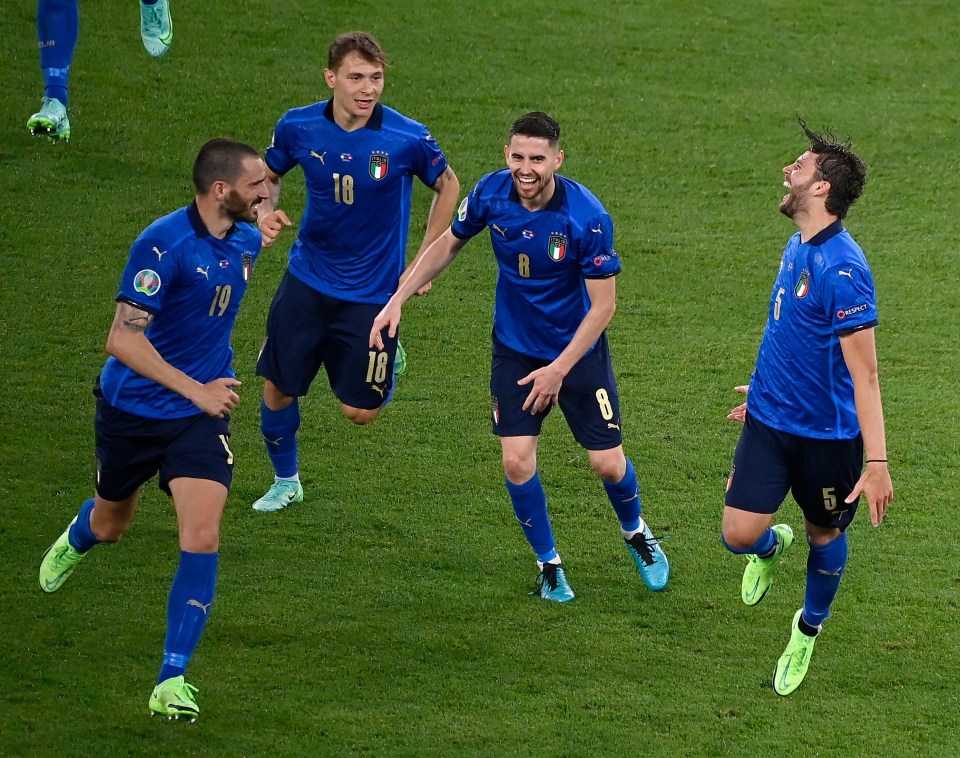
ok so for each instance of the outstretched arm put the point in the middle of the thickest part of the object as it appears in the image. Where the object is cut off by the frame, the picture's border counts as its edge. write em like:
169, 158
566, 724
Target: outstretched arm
447, 189
129, 345
424, 268
860, 355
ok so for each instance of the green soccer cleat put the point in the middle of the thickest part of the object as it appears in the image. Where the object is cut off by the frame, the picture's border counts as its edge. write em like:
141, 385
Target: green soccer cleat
282, 492
793, 664
552, 584
650, 559
50, 121
400, 362
156, 27
175, 699
58, 562
758, 575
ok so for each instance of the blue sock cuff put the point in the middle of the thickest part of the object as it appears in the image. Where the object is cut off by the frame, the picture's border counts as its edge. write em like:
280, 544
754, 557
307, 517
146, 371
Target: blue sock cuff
81, 536
198, 562
527, 486
763, 545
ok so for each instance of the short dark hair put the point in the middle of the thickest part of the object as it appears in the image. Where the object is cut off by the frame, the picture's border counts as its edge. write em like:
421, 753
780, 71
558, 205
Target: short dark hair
839, 165
536, 124
363, 44
220, 160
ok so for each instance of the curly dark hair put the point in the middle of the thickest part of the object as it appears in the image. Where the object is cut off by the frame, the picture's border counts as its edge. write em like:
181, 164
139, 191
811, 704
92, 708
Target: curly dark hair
839, 165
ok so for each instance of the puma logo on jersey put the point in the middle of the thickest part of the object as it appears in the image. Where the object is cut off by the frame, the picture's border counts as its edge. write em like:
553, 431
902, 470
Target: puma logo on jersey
379, 390
598, 230
849, 273
613, 426
201, 606
319, 156
205, 272
159, 253
503, 232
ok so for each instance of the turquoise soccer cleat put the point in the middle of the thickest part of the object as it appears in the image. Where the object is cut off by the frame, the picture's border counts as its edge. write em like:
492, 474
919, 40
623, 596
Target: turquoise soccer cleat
175, 699
50, 121
552, 584
650, 559
58, 562
758, 575
156, 27
282, 492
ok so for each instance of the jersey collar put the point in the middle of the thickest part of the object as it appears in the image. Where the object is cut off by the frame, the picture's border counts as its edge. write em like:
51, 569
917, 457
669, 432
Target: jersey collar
374, 122
824, 234
200, 228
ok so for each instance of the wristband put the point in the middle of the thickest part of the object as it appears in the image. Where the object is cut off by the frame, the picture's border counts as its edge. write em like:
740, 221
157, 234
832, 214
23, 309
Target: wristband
876, 460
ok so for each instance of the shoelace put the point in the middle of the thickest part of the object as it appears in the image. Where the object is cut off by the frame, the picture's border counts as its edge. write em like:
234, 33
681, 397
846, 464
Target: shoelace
152, 21
644, 546
548, 576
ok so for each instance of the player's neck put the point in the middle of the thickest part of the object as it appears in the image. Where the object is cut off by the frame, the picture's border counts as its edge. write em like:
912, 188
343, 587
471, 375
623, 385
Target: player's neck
217, 223
348, 121
813, 222
543, 199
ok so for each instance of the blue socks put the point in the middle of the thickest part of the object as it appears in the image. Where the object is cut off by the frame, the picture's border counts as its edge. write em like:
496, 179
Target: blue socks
530, 506
825, 565
279, 429
625, 498
81, 536
763, 547
191, 595
58, 26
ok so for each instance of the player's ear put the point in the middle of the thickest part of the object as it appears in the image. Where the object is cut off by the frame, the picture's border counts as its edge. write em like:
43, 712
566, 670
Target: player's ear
329, 77
506, 153
559, 159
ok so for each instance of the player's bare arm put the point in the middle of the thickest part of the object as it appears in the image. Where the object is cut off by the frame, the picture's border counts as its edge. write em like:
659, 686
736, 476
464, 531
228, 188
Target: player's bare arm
447, 189
548, 380
128, 343
422, 270
860, 355
271, 220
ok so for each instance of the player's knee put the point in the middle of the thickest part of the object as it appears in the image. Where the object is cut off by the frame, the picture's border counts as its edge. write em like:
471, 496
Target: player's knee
273, 398
517, 469
204, 539
610, 470
737, 538
360, 416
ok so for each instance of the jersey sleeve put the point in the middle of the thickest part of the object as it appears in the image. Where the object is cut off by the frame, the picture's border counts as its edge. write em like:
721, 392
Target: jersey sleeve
472, 214
598, 257
278, 156
429, 161
151, 269
850, 298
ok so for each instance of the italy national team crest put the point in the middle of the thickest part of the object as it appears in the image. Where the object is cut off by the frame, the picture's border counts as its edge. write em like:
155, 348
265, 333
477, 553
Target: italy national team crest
803, 286
378, 165
147, 282
557, 247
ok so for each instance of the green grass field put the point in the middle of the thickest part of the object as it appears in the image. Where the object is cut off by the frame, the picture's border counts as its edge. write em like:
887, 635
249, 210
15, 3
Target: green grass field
388, 614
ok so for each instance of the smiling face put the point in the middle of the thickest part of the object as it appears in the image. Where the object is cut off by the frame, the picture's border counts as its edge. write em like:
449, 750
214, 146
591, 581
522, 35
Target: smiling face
242, 197
532, 162
799, 178
357, 84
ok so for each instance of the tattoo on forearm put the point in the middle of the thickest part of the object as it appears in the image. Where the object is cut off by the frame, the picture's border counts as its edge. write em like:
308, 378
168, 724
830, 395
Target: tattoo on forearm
133, 319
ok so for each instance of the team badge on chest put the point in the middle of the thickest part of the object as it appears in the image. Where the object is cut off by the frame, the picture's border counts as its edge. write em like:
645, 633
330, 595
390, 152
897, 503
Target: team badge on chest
803, 285
379, 162
557, 247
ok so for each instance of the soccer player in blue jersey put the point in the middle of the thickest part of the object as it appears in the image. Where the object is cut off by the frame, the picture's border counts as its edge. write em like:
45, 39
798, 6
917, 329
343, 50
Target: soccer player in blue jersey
814, 404
359, 159
58, 26
165, 395
555, 296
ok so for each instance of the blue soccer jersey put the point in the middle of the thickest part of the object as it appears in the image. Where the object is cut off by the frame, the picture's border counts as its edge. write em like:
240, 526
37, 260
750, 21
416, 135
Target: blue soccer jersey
192, 283
352, 240
544, 258
801, 383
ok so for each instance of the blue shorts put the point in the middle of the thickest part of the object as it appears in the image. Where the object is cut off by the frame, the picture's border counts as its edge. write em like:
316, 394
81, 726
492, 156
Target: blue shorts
821, 474
306, 330
588, 397
131, 449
